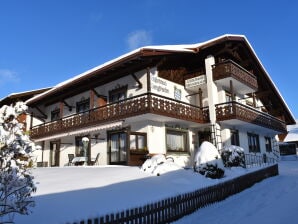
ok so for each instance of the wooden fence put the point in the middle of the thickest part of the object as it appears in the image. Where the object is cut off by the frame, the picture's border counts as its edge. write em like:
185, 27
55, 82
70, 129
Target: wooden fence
174, 208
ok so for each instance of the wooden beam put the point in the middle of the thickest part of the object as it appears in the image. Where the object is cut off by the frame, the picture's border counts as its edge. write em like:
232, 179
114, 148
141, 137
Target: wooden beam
140, 85
42, 113
61, 108
99, 95
148, 80
92, 98
232, 90
200, 97
263, 93
68, 106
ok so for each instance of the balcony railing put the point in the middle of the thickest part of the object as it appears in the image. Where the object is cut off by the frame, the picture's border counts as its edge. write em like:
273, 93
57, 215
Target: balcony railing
235, 110
138, 105
229, 68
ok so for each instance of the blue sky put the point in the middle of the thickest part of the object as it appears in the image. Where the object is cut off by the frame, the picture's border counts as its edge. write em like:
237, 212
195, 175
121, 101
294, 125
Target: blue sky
46, 42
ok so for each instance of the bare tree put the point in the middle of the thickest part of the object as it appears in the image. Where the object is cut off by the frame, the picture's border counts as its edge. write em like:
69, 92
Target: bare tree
16, 181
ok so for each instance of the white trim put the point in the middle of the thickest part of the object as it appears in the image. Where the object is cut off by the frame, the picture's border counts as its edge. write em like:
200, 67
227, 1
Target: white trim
82, 131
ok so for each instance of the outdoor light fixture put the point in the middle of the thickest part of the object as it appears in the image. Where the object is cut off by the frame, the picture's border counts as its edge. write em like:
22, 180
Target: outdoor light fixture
85, 142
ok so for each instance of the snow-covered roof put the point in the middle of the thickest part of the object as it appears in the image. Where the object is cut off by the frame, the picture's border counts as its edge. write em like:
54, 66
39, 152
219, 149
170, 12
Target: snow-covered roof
183, 48
26, 92
292, 135
22, 95
186, 48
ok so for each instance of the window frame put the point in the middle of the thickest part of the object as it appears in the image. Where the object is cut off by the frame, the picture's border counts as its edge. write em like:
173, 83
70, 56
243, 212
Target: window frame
118, 91
235, 137
55, 114
268, 145
137, 135
253, 142
184, 134
82, 103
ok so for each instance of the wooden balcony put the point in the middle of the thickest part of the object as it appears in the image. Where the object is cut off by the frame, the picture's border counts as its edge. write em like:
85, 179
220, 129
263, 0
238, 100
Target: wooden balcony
238, 111
138, 105
244, 82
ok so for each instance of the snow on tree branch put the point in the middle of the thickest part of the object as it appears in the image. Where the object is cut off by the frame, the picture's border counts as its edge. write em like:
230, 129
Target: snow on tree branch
16, 181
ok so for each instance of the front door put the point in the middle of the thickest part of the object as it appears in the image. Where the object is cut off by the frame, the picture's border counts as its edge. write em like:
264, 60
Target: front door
204, 136
55, 153
118, 147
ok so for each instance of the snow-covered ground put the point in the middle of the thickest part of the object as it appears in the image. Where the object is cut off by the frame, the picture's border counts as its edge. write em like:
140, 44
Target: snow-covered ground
273, 201
74, 193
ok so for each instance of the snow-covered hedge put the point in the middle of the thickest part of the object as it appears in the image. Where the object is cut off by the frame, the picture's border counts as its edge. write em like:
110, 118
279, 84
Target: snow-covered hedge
233, 156
208, 161
159, 164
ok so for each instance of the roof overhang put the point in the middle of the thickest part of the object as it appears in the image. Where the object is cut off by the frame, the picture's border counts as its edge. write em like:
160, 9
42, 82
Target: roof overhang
153, 51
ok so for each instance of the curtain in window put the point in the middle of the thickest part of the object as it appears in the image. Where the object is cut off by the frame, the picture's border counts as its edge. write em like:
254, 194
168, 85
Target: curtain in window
114, 148
122, 147
175, 141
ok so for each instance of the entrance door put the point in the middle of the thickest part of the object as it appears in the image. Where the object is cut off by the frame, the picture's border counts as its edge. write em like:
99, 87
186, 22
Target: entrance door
204, 136
118, 148
55, 153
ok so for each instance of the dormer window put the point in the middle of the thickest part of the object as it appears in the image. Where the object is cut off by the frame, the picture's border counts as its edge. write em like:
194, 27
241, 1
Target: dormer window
83, 105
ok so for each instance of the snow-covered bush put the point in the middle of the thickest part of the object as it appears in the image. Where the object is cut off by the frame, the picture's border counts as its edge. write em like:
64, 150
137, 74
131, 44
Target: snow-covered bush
208, 161
159, 164
16, 181
233, 156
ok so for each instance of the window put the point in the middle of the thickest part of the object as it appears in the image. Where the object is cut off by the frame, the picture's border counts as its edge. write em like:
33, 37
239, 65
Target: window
138, 141
235, 137
55, 115
117, 94
83, 105
253, 142
268, 144
176, 140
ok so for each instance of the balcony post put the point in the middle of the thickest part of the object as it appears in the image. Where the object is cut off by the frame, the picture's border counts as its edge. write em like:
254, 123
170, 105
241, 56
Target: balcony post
61, 108
200, 97
254, 100
232, 90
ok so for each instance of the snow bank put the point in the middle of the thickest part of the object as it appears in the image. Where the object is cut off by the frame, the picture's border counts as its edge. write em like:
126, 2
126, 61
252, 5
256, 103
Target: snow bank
159, 164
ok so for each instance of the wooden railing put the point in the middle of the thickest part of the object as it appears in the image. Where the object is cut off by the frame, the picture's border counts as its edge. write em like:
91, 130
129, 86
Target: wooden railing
235, 110
229, 68
138, 105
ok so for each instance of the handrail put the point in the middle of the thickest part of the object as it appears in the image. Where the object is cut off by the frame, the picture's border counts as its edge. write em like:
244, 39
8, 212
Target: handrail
236, 110
133, 106
119, 102
234, 63
250, 108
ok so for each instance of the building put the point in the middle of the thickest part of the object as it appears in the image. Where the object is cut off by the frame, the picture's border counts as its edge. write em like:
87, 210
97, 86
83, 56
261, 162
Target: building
163, 99
13, 98
289, 141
